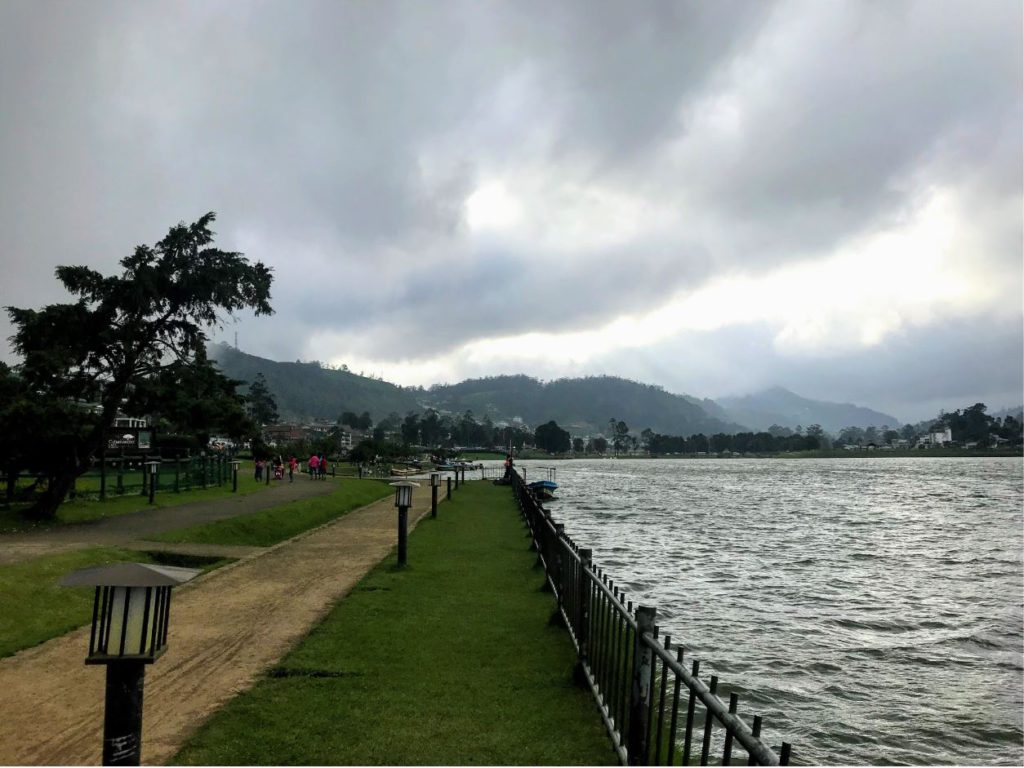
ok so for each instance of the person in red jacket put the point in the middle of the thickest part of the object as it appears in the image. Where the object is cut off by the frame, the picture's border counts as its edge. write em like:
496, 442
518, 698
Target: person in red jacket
314, 464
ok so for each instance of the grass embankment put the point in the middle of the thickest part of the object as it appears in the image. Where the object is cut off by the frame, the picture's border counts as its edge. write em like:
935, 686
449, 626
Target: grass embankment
36, 608
82, 510
270, 526
450, 661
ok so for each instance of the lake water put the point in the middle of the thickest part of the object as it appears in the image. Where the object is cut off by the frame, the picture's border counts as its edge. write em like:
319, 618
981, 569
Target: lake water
869, 609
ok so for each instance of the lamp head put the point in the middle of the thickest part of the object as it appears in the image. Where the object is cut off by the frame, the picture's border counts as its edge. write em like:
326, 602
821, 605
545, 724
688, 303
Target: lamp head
403, 492
131, 609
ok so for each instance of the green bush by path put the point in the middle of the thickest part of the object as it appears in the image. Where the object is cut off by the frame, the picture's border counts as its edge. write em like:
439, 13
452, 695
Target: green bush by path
82, 510
36, 608
269, 526
450, 661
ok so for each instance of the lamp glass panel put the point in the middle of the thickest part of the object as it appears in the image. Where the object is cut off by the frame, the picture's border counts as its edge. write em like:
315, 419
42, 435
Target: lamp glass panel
134, 639
403, 498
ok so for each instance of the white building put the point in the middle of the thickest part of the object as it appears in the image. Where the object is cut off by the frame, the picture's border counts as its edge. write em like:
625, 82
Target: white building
936, 438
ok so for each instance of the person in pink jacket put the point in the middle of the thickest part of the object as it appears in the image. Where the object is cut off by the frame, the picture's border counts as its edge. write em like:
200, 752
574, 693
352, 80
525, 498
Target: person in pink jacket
314, 464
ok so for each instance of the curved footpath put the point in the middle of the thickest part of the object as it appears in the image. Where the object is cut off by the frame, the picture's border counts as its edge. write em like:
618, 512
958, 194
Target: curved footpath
227, 627
123, 530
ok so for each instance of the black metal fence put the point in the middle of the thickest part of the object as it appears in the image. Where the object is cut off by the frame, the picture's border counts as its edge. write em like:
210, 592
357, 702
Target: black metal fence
122, 475
492, 473
656, 711
114, 476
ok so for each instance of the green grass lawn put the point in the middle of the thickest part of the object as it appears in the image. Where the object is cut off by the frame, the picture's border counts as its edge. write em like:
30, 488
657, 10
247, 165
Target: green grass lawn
450, 661
269, 526
36, 608
82, 510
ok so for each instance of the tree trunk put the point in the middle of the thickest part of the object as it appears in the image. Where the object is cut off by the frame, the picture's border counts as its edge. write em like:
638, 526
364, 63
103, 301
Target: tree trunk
65, 474
12, 483
46, 506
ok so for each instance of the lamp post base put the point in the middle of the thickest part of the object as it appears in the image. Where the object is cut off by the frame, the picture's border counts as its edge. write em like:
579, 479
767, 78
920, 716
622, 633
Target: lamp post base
403, 535
122, 720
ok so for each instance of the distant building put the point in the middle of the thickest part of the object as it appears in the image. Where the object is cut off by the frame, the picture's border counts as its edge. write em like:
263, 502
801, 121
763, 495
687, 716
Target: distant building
283, 433
936, 438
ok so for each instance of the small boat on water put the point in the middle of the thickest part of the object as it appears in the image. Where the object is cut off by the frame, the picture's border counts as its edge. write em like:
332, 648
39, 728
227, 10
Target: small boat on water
543, 489
403, 471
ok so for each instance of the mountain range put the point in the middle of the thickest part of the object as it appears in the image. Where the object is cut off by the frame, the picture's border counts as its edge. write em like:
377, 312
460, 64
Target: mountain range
583, 406
780, 406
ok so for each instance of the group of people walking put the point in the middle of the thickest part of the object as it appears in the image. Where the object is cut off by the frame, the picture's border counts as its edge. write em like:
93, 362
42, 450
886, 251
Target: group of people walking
318, 465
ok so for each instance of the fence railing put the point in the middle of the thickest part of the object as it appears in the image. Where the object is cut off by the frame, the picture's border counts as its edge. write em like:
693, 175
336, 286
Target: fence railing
655, 710
131, 475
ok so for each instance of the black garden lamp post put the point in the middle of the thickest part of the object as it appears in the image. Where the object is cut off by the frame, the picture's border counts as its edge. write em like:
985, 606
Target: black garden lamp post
130, 614
403, 500
153, 467
235, 464
435, 483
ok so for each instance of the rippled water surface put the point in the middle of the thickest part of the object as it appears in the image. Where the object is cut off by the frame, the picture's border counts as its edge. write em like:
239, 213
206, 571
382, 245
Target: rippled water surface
870, 609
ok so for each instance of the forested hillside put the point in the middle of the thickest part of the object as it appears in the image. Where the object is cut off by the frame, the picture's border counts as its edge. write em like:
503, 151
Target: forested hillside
582, 406
306, 391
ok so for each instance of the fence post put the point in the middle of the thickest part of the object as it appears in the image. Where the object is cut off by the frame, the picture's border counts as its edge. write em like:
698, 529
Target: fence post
640, 692
559, 570
177, 474
582, 629
103, 475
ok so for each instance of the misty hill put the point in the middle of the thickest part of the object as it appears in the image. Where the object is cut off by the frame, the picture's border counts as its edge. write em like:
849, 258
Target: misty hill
1017, 413
581, 406
308, 391
787, 409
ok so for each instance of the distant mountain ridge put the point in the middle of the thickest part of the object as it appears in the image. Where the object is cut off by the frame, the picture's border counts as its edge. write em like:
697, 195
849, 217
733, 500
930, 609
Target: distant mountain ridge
583, 406
788, 409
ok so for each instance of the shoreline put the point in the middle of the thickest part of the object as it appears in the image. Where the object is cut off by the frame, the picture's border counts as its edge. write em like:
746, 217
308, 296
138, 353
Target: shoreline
935, 453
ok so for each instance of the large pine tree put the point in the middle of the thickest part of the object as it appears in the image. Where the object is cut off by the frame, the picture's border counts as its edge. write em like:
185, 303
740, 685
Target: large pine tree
84, 361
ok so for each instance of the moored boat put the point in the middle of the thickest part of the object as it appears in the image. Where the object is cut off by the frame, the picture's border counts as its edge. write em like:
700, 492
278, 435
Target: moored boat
543, 489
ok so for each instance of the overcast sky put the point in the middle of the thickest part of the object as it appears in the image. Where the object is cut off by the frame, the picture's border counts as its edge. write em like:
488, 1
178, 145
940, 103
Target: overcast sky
712, 197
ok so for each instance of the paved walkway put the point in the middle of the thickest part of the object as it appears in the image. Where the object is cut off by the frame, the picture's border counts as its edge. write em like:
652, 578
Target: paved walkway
226, 629
122, 530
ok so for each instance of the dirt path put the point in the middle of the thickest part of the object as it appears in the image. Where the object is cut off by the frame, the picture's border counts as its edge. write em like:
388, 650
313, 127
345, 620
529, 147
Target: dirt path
226, 629
122, 529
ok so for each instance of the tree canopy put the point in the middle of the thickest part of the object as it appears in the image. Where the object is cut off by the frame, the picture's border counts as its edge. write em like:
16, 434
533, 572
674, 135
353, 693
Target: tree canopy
86, 360
552, 438
262, 405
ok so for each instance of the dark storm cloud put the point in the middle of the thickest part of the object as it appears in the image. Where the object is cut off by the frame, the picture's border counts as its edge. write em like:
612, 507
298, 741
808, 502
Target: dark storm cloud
921, 370
339, 141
